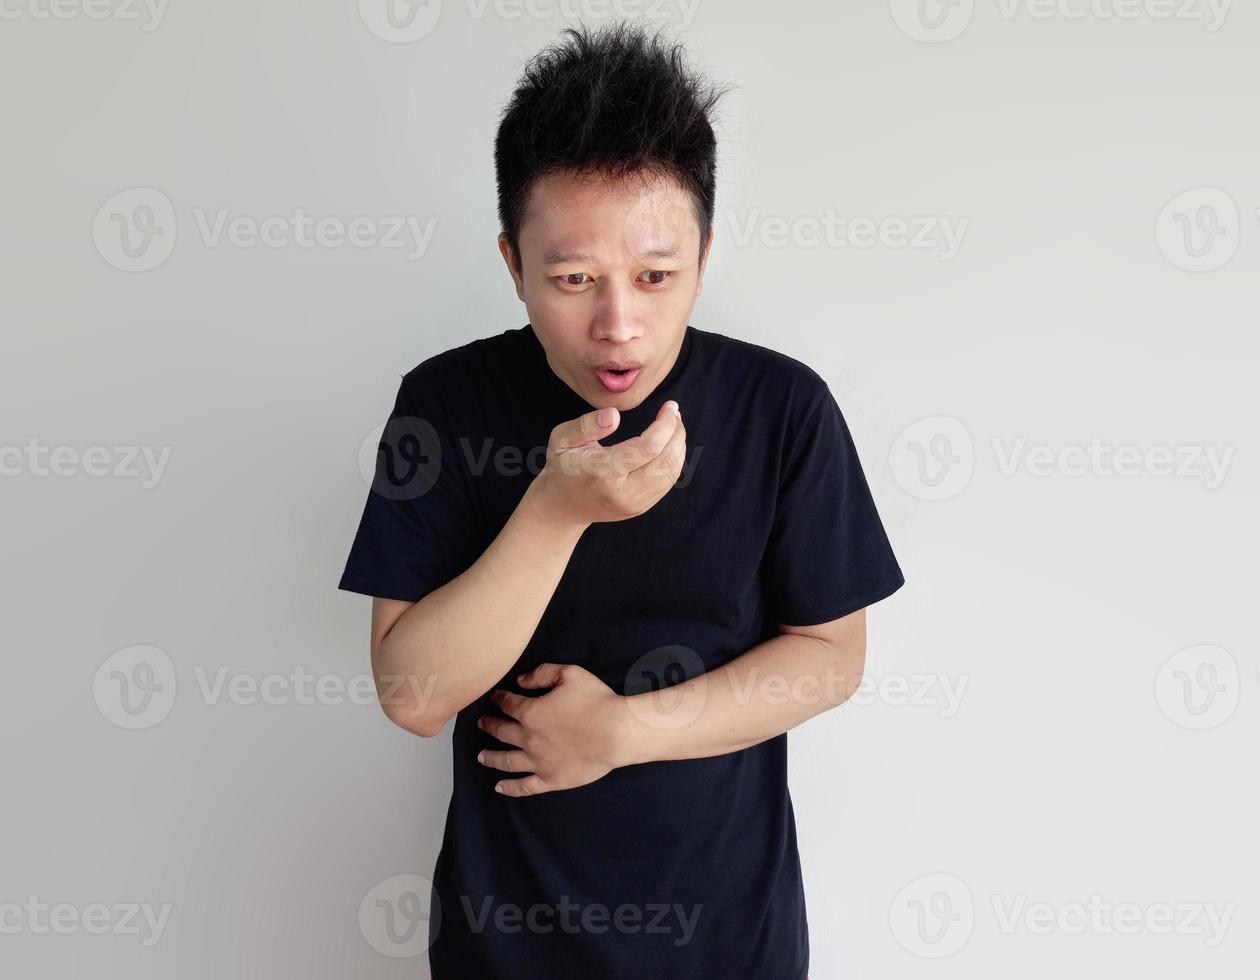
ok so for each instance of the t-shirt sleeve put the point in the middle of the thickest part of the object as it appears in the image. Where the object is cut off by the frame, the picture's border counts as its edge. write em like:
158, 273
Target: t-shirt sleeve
828, 554
419, 527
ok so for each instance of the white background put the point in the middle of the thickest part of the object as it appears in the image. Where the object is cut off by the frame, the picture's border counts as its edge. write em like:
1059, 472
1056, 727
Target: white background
1084, 754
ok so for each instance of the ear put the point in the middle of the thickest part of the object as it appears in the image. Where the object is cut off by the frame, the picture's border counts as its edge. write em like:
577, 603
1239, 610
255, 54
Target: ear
704, 261
505, 250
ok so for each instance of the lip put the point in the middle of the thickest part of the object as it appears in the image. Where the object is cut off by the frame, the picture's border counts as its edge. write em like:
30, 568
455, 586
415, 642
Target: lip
617, 383
618, 366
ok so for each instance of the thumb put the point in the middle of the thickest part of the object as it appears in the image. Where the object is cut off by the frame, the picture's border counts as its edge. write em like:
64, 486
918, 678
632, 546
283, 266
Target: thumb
544, 675
586, 429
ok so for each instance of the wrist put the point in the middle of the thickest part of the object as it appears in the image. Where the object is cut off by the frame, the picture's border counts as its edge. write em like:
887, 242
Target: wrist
534, 505
625, 734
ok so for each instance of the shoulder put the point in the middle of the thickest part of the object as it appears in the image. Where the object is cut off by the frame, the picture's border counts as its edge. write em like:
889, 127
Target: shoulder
769, 373
455, 369
438, 365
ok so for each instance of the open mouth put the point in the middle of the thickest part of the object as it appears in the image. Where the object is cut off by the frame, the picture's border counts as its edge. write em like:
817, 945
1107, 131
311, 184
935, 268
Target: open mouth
617, 379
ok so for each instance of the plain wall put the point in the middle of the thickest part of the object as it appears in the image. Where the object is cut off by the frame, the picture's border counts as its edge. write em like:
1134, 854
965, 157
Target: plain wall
1063, 702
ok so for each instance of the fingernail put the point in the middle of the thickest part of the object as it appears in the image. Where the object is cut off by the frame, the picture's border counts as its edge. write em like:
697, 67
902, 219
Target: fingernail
498, 788
677, 410
481, 757
604, 418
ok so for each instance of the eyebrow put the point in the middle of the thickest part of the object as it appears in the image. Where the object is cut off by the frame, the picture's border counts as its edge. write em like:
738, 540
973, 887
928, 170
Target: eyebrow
557, 257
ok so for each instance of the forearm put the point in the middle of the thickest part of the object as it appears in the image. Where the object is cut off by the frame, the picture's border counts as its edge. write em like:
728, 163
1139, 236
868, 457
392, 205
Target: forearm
453, 645
769, 690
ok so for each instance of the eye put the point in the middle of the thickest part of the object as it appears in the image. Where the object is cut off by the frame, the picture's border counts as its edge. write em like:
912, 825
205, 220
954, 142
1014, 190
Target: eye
664, 277
568, 279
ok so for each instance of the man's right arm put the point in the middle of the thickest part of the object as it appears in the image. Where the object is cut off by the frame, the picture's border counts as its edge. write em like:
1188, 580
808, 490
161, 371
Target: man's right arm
433, 657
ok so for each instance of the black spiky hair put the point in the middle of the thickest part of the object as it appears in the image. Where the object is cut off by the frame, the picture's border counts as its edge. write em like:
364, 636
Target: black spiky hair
615, 102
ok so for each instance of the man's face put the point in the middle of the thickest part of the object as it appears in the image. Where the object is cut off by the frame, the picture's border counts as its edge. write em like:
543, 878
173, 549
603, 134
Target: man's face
609, 273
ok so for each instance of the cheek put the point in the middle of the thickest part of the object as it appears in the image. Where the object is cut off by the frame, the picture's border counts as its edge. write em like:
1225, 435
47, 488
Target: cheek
680, 298
547, 304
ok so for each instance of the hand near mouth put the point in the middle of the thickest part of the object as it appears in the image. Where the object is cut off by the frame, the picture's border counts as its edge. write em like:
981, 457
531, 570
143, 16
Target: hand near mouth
584, 483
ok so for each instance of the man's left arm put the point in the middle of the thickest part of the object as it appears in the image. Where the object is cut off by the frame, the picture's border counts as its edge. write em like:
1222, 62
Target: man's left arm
580, 729
770, 689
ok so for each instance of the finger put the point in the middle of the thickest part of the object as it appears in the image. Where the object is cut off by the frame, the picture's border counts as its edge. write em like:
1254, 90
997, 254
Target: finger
674, 454
513, 761
585, 429
509, 703
526, 786
628, 456
667, 464
511, 732
544, 675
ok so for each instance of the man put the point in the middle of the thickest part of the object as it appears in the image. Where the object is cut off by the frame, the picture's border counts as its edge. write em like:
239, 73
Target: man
626, 555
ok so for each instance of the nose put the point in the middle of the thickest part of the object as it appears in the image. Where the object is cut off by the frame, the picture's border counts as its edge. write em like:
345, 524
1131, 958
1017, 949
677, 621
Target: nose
617, 316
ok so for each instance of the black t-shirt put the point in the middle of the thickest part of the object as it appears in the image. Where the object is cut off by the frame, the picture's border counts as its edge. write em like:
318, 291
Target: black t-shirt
683, 869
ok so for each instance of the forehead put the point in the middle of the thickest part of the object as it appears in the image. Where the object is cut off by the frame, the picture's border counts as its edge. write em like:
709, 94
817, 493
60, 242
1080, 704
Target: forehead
597, 216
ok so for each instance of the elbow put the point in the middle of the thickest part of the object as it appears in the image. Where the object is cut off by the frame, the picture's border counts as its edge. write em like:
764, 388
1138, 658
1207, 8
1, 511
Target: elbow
427, 724
420, 703
847, 672
409, 702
